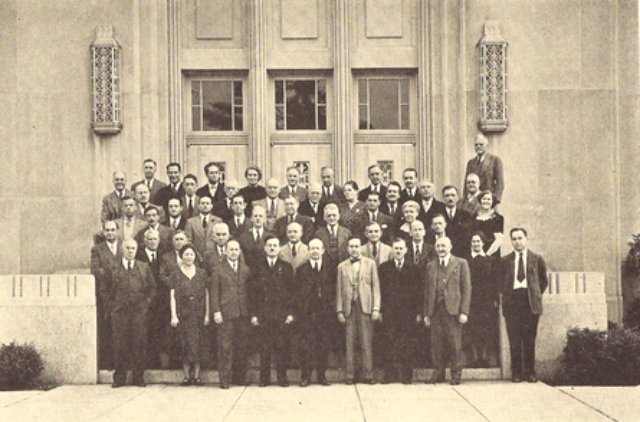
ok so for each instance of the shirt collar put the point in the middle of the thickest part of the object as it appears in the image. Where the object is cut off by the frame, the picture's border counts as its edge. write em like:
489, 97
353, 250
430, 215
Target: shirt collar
400, 263
474, 254
445, 259
125, 262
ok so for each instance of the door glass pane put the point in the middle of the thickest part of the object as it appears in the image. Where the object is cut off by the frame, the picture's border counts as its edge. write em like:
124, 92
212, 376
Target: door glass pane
216, 105
301, 113
384, 103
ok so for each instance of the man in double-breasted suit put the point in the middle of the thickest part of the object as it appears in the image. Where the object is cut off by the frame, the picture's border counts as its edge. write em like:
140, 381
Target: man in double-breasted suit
130, 296
334, 236
230, 307
291, 205
294, 251
252, 240
112, 202
374, 248
314, 205
400, 288
199, 229
315, 283
331, 192
239, 222
271, 309
358, 306
487, 166
105, 256
524, 280
447, 299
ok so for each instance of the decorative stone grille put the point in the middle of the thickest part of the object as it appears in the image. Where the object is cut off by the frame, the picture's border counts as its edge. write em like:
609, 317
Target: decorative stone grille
105, 55
493, 79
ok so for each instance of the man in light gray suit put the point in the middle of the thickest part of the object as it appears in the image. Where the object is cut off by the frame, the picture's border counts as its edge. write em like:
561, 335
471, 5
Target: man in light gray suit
293, 188
487, 166
358, 306
374, 248
294, 251
199, 229
112, 202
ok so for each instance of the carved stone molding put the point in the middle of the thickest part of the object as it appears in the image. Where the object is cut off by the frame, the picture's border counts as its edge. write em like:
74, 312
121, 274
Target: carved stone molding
493, 79
105, 55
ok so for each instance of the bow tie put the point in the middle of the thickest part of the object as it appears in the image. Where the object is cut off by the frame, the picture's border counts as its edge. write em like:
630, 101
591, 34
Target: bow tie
354, 260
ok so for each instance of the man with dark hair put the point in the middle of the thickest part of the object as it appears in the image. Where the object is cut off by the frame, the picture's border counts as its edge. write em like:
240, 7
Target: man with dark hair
252, 240
458, 222
149, 167
238, 223
199, 229
175, 221
129, 225
447, 300
174, 189
142, 198
214, 188
400, 288
358, 306
429, 205
410, 192
271, 304
392, 206
524, 280
190, 199
112, 202
375, 176
293, 216
374, 248
163, 232
293, 186
333, 235
331, 192
224, 208
373, 215
487, 166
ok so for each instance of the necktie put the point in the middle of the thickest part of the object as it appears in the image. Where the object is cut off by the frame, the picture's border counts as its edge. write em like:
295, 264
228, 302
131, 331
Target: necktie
398, 265
333, 231
130, 265
205, 223
258, 237
315, 266
442, 264
174, 224
326, 191
393, 209
270, 264
272, 208
478, 160
237, 222
190, 206
372, 217
148, 184
521, 275
374, 250
153, 257
293, 250
290, 219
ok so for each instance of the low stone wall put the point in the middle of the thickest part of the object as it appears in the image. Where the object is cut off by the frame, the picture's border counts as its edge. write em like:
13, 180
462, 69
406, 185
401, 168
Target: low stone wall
57, 313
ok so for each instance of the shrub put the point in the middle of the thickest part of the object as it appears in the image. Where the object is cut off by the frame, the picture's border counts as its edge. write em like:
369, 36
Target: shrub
593, 357
632, 319
20, 366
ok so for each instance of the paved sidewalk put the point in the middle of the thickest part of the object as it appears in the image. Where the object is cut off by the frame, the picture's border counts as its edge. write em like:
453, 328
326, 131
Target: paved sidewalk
471, 401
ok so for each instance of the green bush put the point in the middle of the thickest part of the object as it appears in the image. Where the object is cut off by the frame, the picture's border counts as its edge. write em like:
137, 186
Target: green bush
593, 357
20, 366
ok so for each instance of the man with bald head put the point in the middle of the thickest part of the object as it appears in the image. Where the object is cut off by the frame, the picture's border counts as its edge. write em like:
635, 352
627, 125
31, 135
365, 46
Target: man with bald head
487, 166
469, 202
314, 206
293, 186
333, 235
294, 251
447, 299
112, 202
272, 203
216, 253
291, 206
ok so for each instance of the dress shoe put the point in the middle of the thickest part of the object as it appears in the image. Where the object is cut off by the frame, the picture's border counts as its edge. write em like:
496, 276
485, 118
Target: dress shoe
283, 383
197, 382
324, 381
406, 381
224, 385
455, 381
304, 383
141, 383
370, 381
516, 379
436, 377
532, 378
263, 384
116, 385
348, 381
186, 381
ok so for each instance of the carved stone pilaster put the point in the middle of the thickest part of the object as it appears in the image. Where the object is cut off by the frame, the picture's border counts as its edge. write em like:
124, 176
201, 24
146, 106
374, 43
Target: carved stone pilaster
493, 79
105, 56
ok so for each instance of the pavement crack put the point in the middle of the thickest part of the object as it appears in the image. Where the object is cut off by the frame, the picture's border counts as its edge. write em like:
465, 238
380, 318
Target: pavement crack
122, 404
21, 400
587, 404
470, 404
364, 416
234, 403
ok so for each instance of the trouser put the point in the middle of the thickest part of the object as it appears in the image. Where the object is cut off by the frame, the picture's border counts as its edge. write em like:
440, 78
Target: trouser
522, 327
315, 344
129, 338
359, 328
274, 339
398, 348
446, 341
104, 338
232, 350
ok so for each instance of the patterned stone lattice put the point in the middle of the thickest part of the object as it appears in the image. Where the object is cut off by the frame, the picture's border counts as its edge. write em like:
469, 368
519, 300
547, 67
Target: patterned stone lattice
106, 89
493, 91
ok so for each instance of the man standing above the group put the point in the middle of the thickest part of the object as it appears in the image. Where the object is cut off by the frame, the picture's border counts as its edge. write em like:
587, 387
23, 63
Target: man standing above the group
315, 299
199, 229
216, 254
142, 198
293, 216
230, 308
224, 208
330, 191
524, 280
293, 187
174, 189
272, 203
238, 223
358, 306
373, 215
314, 206
129, 225
214, 189
458, 222
392, 206
175, 221
487, 166
374, 248
190, 199
334, 236
446, 307
271, 302
105, 256
112, 203
130, 296
470, 201
252, 240
429, 205
163, 232
294, 251
149, 168
410, 192
375, 175
400, 288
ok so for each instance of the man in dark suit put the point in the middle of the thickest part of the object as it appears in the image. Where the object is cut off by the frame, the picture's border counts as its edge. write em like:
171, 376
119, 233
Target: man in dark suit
293, 216
400, 288
149, 167
190, 199
410, 191
334, 236
230, 307
271, 307
358, 307
252, 241
313, 206
429, 205
293, 185
392, 206
330, 191
214, 188
458, 222
315, 313
524, 280
373, 215
105, 256
175, 221
420, 251
142, 198
224, 208
375, 174
112, 202
216, 255
174, 189
447, 300
199, 229
164, 233
238, 223
488, 167
130, 296
469, 202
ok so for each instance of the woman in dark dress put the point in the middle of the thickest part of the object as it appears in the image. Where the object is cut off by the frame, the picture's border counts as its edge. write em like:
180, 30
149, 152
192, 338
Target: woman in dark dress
483, 317
490, 223
190, 312
253, 191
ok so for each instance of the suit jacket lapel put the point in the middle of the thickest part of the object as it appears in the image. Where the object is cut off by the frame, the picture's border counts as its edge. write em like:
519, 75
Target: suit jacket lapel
450, 268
